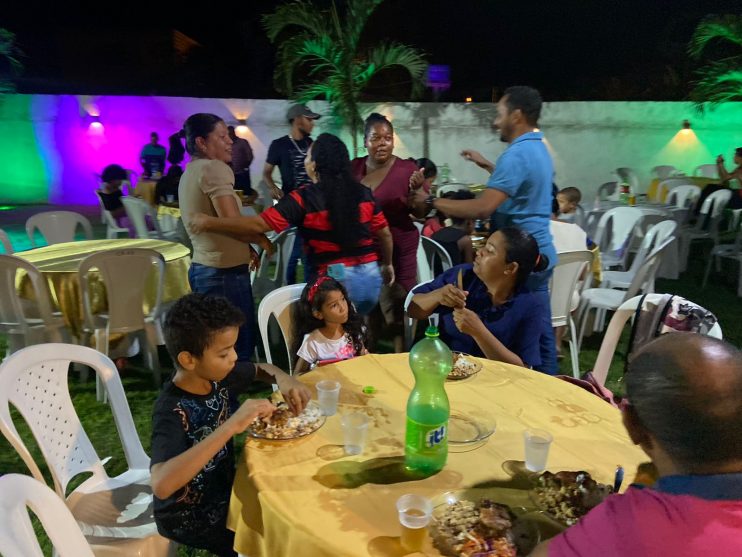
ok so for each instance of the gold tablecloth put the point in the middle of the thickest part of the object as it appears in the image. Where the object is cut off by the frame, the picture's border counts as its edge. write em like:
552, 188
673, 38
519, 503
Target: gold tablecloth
305, 497
697, 180
146, 190
59, 264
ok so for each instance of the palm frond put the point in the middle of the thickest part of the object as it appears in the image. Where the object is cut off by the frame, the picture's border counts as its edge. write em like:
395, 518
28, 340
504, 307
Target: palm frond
724, 28
298, 13
395, 54
720, 82
288, 58
356, 16
9, 50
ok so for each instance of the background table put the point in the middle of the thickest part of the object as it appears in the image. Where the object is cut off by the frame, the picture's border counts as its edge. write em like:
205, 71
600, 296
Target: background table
59, 264
305, 497
146, 190
699, 181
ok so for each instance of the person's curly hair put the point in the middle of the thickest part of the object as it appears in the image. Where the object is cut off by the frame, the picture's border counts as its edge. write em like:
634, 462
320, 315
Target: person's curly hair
305, 322
192, 322
343, 193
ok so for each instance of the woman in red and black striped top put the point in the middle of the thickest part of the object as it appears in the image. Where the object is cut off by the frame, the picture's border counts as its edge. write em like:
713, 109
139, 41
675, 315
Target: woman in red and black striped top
341, 223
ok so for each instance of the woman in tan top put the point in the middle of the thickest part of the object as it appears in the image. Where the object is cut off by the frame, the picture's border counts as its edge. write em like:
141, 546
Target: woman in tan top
221, 264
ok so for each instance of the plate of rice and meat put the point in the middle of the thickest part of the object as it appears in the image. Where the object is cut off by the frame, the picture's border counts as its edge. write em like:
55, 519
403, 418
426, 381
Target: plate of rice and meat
568, 496
283, 424
464, 366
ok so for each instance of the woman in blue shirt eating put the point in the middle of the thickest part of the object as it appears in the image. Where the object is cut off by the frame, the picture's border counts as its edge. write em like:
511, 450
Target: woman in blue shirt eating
484, 307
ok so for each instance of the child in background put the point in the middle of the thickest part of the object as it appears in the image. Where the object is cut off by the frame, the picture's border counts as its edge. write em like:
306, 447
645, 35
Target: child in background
430, 173
327, 327
456, 238
568, 199
196, 416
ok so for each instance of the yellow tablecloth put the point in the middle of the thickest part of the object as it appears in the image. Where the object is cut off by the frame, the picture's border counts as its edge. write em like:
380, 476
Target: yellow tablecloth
305, 497
59, 264
146, 190
697, 180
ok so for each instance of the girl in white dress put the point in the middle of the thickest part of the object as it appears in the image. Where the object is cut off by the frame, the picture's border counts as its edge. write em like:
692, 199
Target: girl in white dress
327, 327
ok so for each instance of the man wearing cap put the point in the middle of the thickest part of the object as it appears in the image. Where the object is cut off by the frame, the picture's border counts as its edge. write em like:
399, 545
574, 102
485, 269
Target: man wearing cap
288, 153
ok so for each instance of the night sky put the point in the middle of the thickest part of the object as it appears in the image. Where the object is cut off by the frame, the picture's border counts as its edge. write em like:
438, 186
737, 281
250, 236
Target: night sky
575, 50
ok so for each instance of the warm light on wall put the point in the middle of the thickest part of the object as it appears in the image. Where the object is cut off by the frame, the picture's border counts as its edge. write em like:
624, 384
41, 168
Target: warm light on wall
468, 99
95, 124
241, 128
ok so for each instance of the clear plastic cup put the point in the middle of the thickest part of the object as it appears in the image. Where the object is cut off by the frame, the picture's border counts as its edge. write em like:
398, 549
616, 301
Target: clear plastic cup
327, 396
355, 427
537, 443
415, 512
170, 198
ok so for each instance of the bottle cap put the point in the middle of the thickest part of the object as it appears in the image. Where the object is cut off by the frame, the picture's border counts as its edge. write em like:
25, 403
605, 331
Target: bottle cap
432, 332
369, 389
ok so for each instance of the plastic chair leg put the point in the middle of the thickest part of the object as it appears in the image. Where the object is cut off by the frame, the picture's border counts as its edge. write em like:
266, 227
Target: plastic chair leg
101, 345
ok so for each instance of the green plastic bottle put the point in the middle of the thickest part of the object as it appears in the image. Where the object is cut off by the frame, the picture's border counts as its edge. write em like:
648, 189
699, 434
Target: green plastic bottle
426, 436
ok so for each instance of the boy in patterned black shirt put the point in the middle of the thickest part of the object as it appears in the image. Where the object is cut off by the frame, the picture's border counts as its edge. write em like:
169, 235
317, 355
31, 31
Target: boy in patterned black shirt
197, 414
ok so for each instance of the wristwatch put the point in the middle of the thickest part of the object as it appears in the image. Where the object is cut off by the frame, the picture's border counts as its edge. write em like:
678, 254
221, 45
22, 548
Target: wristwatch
429, 202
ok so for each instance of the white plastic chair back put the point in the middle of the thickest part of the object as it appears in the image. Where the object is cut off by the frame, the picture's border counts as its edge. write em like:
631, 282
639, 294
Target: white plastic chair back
664, 171
715, 203
446, 188
622, 221
279, 304
562, 287
17, 536
24, 329
655, 236
112, 228
57, 226
706, 171
629, 176
125, 274
434, 252
683, 196
643, 281
410, 324
34, 380
265, 281
424, 272
607, 190
5, 242
612, 335
136, 210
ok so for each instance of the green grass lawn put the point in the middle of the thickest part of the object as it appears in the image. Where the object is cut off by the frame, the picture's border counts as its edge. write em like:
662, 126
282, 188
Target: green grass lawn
98, 422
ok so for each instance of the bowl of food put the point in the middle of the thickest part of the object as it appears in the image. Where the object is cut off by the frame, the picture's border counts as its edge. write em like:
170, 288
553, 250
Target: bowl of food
469, 525
568, 496
464, 366
283, 424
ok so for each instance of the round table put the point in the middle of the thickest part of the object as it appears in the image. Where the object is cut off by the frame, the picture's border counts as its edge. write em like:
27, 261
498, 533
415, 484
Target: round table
305, 497
59, 263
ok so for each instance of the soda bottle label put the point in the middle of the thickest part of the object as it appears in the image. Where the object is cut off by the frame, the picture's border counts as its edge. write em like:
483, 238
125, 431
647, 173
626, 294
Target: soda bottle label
428, 439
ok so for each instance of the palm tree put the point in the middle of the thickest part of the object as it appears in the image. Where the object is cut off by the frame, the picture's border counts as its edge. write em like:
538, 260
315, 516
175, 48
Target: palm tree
719, 80
9, 60
325, 44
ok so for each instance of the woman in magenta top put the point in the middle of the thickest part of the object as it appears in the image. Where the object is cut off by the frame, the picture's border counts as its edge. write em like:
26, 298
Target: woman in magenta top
390, 179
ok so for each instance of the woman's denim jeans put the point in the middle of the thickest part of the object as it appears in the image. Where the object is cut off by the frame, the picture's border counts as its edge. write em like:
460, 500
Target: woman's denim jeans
234, 285
363, 283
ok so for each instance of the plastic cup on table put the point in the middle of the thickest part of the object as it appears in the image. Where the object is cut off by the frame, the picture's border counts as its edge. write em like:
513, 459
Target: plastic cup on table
170, 198
537, 443
415, 512
355, 427
327, 396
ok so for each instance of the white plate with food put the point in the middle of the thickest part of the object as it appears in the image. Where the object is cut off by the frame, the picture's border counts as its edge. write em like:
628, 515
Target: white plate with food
284, 425
568, 496
464, 366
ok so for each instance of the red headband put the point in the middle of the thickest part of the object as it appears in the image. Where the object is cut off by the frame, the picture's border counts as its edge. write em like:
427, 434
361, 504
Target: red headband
315, 286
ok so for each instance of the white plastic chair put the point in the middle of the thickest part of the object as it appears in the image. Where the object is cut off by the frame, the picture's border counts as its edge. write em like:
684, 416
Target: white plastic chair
278, 304
410, 324
57, 226
263, 281
727, 251
114, 514
654, 236
664, 171
5, 242
623, 313
434, 252
707, 225
629, 176
26, 322
17, 536
563, 284
609, 299
124, 273
138, 210
424, 272
683, 198
607, 190
706, 171
613, 235
113, 230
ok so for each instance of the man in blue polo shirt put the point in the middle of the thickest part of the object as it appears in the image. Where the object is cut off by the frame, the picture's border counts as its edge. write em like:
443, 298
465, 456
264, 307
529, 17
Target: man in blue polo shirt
518, 193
